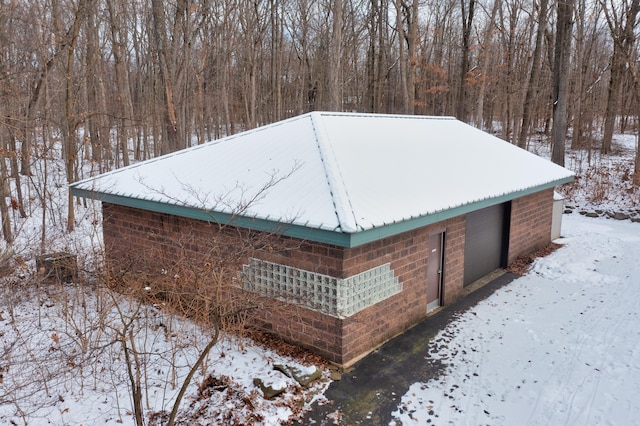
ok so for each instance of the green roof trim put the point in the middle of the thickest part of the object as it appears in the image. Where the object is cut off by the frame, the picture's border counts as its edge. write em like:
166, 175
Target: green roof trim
256, 224
325, 236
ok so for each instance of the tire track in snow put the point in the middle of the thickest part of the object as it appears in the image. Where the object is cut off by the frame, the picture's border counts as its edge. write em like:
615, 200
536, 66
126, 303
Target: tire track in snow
580, 290
571, 401
559, 392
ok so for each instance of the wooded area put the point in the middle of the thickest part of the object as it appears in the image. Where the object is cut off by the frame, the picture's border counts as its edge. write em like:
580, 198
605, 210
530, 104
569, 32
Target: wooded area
108, 81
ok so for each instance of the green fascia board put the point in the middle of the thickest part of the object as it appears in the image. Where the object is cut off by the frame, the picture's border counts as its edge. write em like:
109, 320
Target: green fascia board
392, 229
325, 236
256, 224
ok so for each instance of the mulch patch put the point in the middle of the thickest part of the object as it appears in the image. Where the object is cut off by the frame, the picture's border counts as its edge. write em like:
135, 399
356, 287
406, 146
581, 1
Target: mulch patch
281, 347
522, 263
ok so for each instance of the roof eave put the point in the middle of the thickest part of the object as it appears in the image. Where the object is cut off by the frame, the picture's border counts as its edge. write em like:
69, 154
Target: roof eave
392, 229
333, 237
257, 224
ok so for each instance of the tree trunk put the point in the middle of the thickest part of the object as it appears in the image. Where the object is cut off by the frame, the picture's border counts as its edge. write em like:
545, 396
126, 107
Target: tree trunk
70, 142
577, 141
560, 79
16, 176
636, 163
97, 126
623, 34
401, 16
170, 120
4, 193
376, 55
532, 87
613, 98
119, 35
467, 23
277, 35
371, 57
488, 35
334, 64
407, 15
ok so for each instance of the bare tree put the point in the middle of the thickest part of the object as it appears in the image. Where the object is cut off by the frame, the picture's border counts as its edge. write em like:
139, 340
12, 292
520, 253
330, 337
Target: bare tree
276, 58
436, 68
532, 87
562, 57
169, 115
407, 23
467, 13
147, 78
119, 34
586, 73
254, 21
486, 58
622, 21
377, 54
97, 125
72, 120
334, 64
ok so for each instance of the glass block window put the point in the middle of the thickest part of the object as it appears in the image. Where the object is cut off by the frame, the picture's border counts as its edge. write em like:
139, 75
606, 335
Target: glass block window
333, 296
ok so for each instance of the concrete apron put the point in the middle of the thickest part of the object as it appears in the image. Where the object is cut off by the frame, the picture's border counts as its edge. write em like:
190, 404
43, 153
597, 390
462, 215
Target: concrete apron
371, 390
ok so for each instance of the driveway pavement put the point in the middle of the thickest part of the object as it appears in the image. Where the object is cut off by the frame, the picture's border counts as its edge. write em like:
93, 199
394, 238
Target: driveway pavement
369, 392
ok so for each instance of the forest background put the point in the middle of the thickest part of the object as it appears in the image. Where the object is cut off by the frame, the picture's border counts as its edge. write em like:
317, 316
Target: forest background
107, 82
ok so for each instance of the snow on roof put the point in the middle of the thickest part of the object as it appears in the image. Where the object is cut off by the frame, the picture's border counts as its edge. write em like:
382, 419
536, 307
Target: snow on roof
341, 172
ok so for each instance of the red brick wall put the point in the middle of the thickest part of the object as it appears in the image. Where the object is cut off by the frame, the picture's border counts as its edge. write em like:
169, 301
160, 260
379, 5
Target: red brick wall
530, 223
145, 242
408, 255
344, 340
133, 233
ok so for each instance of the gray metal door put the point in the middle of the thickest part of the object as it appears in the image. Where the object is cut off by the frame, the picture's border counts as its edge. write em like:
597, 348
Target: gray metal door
484, 242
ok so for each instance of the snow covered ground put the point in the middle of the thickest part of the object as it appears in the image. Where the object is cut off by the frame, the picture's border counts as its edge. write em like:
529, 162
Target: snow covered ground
559, 346
603, 182
62, 363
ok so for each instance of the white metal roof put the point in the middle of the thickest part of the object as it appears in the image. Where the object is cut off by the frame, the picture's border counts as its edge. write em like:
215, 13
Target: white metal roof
341, 172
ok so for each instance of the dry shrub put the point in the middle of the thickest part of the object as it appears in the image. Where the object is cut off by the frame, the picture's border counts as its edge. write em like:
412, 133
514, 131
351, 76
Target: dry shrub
196, 274
8, 261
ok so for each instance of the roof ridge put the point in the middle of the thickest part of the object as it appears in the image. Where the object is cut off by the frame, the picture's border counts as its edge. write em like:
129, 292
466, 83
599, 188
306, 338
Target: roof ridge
383, 115
339, 195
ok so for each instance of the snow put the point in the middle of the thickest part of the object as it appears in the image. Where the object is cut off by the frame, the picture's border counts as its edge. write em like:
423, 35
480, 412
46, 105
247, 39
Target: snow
281, 179
62, 363
306, 371
396, 168
560, 345
604, 182
337, 171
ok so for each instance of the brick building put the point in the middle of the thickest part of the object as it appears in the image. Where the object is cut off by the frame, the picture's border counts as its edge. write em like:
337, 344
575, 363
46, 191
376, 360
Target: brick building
389, 217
